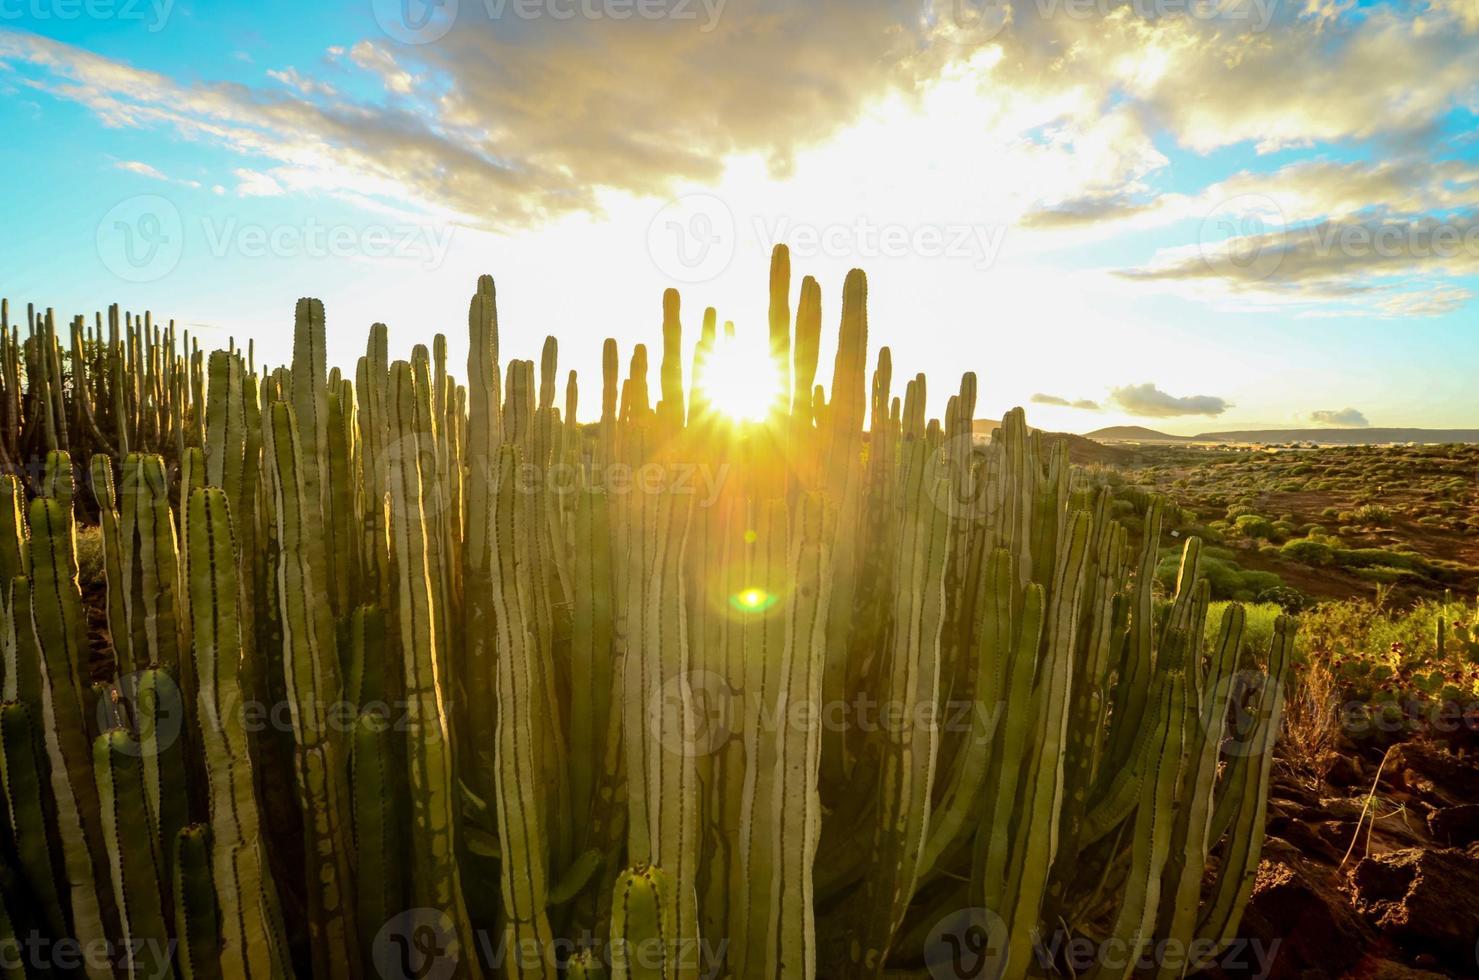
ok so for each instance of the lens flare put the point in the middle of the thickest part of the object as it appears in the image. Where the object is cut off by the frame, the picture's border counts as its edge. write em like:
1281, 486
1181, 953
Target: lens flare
752, 600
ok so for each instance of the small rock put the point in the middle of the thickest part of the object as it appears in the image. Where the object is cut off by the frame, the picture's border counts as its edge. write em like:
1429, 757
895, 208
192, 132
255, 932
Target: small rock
1455, 825
1309, 838
1392, 970
1432, 771
1425, 899
1345, 770
1303, 907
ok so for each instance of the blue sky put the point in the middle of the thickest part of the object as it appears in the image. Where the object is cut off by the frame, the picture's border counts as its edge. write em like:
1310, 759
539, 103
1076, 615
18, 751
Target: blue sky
1258, 214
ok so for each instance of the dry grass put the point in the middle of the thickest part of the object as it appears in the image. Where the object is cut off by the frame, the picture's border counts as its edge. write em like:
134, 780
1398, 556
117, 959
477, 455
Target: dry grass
1310, 717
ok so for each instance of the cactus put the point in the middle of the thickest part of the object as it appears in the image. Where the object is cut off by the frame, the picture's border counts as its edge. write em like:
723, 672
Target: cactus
21, 777
643, 926
118, 573
311, 667
547, 682
133, 855
252, 933
196, 916
57, 619
436, 879
14, 552
378, 786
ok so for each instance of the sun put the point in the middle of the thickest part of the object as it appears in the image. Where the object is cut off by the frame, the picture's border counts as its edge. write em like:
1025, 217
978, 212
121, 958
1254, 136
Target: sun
740, 380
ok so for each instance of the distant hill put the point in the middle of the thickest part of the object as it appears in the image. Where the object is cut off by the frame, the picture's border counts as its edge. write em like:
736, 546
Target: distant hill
1324, 437
1132, 433
1082, 451
1339, 437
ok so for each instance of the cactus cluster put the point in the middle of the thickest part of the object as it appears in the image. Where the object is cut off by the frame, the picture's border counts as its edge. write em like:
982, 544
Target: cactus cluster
401, 676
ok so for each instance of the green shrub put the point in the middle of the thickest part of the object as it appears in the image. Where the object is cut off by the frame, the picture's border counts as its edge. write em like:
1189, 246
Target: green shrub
90, 556
1372, 514
1254, 526
1226, 579
1308, 551
1381, 558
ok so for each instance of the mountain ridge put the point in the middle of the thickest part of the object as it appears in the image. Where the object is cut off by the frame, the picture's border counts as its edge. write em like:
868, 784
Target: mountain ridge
1334, 437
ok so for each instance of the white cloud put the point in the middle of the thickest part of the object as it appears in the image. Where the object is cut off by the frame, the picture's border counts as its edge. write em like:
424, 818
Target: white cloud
146, 170
1086, 404
1150, 402
142, 169
299, 82
376, 59
1344, 418
254, 184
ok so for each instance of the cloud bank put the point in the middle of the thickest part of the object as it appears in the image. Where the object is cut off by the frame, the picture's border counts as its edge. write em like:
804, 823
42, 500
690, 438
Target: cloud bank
1087, 404
1343, 418
1150, 402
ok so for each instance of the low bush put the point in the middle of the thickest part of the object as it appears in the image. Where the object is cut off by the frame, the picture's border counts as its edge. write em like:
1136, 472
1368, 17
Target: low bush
1254, 526
1308, 551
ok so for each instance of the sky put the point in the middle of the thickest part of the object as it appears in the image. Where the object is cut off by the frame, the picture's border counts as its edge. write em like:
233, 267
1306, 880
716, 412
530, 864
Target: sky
1194, 215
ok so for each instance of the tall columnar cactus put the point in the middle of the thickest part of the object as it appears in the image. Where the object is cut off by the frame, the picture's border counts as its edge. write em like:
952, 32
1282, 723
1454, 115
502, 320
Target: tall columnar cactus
117, 568
795, 807
252, 933
379, 786
133, 855
518, 698
311, 667
908, 755
436, 878
14, 553
21, 653
644, 930
23, 780
57, 619
160, 719
197, 917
